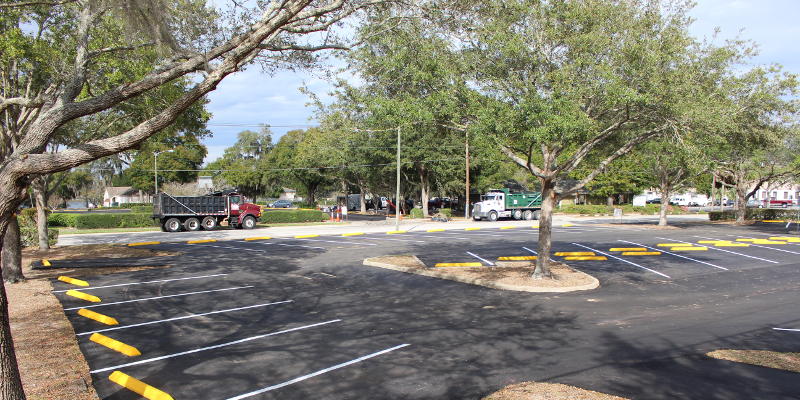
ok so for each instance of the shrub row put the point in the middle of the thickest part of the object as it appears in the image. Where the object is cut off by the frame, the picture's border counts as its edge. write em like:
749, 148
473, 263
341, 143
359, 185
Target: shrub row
142, 209
756, 214
62, 219
115, 220
124, 205
289, 216
591, 209
416, 213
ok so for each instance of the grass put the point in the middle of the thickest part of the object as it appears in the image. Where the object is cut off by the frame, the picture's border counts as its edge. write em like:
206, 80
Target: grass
762, 358
547, 391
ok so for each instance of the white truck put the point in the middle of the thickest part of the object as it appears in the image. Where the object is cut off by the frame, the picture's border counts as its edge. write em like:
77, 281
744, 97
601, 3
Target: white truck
499, 203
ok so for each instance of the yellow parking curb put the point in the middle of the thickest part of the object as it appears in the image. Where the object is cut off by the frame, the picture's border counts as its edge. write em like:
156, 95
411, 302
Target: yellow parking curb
786, 238
76, 282
137, 386
116, 345
83, 296
566, 225
508, 227
201, 241
46, 263
305, 236
641, 253
627, 249
712, 241
773, 220
464, 264
257, 238
353, 234
731, 245
142, 243
586, 258
689, 248
535, 227
574, 253
472, 229
435, 230
767, 242
516, 258
103, 319
395, 232
747, 240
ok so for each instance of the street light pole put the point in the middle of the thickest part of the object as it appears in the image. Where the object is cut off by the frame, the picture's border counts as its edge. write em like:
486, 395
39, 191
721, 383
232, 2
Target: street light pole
397, 191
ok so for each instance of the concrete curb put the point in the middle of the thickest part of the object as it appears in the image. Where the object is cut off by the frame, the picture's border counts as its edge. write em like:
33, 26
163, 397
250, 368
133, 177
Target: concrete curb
479, 282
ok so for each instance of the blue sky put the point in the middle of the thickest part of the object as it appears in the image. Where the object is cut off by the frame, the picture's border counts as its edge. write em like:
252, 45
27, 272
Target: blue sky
252, 97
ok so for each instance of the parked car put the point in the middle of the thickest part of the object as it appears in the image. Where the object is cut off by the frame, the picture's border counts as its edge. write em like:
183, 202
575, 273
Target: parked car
653, 201
280, 204
755, 203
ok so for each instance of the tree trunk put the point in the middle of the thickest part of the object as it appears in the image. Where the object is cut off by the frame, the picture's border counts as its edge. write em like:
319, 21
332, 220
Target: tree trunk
545, 229
610, 201
39, 187
10, 382
741, 203
423, 184
362, 201
662, 211
11, 253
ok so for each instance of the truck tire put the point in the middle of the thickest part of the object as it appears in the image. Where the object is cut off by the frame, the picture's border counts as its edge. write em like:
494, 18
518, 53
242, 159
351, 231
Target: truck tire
527, 215
249, 222
191, 224
537, 214
173, 225
163, 226
516, 214
209, 223
492, 216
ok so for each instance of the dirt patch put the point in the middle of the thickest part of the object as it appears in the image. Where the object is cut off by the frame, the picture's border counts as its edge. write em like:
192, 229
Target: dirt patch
762, 358
86, 252
506, 275
547, 391
50, 362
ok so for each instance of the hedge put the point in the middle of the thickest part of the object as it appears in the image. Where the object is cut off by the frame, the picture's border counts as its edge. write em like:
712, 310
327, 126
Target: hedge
289, 216
62, 219
446, 212
114, 220
756, 214
590, 209
142, 209
416, 213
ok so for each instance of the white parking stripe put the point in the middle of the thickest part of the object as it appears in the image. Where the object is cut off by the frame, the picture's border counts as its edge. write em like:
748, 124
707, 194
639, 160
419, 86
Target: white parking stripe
158, 297
673, 254
440, 237
145, 282
536, 254
623, 260
183, 317
723, 250
482, 259
183, 353
320, 372
339, 241
786, 329
276, 244
754, 245
468, 233
391, 239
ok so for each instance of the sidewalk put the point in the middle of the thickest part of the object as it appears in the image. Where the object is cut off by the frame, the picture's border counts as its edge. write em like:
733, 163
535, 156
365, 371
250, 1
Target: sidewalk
411, 225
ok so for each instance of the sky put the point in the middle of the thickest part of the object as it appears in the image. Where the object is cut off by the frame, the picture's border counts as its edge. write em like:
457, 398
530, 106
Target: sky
251, 97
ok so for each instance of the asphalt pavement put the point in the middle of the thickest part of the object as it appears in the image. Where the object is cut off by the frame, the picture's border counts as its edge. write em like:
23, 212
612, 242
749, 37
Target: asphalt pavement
302, 318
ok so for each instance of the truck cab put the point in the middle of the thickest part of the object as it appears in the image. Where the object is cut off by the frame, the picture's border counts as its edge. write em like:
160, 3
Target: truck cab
498, 203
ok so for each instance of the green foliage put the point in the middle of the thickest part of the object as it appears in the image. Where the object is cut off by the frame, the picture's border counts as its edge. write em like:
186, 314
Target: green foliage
29, 235
417, 213
446, 212
244, 165
62, 219
114, 220
289, 216
590, 209
755, 214
142, 209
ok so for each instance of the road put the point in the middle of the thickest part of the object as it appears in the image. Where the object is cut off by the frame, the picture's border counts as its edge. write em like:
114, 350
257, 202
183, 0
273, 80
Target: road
336, 329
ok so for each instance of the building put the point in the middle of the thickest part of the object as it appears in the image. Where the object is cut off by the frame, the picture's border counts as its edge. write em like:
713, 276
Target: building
116, 195
205, 184
288, 194
778, 192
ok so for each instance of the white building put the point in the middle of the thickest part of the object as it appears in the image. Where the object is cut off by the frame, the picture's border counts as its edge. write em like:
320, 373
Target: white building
778, 192
116, 195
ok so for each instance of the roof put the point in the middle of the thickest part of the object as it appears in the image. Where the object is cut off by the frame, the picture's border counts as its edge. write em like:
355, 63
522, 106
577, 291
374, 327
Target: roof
120, 190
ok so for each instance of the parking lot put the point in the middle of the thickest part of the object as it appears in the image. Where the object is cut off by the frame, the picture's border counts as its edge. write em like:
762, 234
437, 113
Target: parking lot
302, 317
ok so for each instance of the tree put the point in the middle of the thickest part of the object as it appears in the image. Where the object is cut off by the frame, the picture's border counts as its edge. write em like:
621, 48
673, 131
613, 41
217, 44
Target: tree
243, 166
280, 34
299, 158
573, 82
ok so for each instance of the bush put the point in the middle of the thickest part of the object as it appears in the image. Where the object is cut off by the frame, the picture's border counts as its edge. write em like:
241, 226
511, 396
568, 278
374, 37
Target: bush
290, 216
28, 233
115, 220
447, 212
142, 209
62, 219
755, 214
416, 213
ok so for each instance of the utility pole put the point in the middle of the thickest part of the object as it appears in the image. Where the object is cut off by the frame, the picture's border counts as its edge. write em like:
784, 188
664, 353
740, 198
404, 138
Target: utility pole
466, 150
397, 191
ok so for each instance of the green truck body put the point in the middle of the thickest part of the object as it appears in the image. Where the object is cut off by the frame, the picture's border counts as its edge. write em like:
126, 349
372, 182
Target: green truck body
499, 203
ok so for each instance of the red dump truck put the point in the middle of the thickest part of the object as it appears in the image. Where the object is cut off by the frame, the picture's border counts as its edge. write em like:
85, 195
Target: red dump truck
191, 213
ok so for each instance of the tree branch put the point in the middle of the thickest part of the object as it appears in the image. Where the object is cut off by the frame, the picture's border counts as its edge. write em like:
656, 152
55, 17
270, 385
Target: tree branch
521, 162
35, 3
